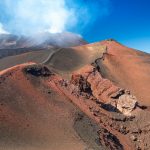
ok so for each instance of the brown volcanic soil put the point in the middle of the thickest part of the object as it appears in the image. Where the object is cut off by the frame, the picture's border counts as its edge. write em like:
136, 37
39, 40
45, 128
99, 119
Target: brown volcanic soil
71, 59
89, 76
35, 115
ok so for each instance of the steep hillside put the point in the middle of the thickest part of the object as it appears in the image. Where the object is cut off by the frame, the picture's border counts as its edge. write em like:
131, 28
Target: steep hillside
128, 68
106, 83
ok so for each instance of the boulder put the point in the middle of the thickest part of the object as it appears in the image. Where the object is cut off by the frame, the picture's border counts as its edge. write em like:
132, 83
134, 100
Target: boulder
126, 104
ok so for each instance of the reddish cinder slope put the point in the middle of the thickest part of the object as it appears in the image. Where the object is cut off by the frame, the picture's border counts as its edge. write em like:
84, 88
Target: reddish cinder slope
35, 116
129, 69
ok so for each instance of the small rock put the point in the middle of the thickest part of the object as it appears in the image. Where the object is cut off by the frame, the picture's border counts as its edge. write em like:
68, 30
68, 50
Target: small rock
136, 131
133, 137
123, 130
90, 107
138, 148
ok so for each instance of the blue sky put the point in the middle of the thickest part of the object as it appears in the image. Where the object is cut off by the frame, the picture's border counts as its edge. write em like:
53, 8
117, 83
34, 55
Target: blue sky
127, 21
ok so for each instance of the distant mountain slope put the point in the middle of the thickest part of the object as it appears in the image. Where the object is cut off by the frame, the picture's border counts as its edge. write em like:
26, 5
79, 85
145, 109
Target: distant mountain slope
12, 44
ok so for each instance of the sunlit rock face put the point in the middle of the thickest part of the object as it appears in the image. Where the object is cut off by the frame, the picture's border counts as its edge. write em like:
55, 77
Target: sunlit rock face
126, 104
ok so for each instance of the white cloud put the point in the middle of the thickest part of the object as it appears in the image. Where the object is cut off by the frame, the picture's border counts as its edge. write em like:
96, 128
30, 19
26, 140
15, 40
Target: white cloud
29, 16
2, 31
32, 16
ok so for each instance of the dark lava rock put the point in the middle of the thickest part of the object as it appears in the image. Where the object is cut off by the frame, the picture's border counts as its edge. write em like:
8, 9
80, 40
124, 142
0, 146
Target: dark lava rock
38, 70
109, 140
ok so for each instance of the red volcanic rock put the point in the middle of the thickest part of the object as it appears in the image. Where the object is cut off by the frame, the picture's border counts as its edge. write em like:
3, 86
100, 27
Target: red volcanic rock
90, 81
102, 88
82, 84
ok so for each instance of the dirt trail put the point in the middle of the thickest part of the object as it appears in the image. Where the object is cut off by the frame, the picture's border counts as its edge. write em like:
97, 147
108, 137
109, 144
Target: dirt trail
48, 60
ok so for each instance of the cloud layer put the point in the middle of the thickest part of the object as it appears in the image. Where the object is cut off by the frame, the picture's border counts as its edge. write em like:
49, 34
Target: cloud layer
32, 16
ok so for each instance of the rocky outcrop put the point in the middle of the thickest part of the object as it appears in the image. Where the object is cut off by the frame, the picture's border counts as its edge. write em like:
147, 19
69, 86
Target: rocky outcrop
113, 133
90, 84
90, 81
38, 70
83, 85
101, 88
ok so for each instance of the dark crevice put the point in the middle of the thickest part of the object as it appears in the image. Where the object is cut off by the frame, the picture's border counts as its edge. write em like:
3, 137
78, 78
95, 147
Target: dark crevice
109, 140
97, 62
120, 93
109, 107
